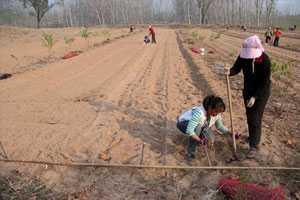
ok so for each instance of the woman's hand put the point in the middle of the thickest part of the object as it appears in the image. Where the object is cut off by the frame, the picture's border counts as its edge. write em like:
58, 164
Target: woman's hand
195, 137
226, 71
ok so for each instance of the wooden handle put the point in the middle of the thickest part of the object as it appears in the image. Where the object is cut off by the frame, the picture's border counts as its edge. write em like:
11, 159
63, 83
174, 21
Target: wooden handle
231, 114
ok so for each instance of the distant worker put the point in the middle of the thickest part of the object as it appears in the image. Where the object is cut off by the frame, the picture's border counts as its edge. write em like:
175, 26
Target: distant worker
268, 35
244, 28
151, 32
277, 35
146, 39
131, 28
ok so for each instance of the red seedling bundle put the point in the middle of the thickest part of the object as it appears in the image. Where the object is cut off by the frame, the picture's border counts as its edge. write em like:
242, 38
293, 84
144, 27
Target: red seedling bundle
70, 55
195, 50
238, 190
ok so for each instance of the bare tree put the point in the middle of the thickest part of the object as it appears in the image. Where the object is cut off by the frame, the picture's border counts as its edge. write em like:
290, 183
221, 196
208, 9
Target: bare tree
86, 13
240, 12
258, 9
188, 10
232, 11
40, 7
204, 5
179, 10
270, 5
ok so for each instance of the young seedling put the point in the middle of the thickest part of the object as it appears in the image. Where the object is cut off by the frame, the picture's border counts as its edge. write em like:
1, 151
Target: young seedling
213, 37
69, 41
106, 33
85, 34
48, 42
194, 34
279, 71
189, 28
283, 69
200, 38
25, 32
232, 54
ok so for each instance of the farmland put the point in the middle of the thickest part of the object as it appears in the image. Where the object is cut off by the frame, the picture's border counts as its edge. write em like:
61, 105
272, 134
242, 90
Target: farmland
119, 93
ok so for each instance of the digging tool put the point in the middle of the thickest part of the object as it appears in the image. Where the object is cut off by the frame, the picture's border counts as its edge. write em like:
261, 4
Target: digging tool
235, 158
206, 152
205, 143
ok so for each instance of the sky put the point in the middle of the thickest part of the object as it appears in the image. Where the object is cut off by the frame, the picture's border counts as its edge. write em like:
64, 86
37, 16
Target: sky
290, 6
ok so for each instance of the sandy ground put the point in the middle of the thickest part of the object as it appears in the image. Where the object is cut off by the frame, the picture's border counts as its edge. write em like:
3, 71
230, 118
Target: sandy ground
116, 96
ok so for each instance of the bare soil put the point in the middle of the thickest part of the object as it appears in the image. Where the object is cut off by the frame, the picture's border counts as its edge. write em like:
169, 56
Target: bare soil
117, 95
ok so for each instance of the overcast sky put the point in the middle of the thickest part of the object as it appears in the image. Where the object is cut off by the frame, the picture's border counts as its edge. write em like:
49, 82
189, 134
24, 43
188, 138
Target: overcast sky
289, 6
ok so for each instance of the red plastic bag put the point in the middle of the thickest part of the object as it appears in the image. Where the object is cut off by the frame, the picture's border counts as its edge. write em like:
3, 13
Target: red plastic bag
237, 189
70, 55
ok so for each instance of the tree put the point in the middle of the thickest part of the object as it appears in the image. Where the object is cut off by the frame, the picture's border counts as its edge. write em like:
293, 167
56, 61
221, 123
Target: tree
40, 7
258, 9
179, 10
203, 6
270, 5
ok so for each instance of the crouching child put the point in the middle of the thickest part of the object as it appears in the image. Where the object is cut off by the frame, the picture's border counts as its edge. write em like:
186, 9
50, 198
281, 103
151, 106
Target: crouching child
146, 39
197, 121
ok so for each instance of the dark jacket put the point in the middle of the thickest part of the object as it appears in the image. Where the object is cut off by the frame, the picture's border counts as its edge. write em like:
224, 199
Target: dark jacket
256, 80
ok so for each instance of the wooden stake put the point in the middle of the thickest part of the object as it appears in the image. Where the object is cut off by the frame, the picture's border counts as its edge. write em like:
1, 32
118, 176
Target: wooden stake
231, 114
142, 154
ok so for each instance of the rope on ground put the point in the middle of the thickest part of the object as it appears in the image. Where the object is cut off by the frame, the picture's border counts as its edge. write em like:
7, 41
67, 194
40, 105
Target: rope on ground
147, 166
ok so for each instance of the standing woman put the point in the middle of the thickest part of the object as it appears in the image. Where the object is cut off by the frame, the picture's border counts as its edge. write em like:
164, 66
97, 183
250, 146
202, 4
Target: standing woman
256, 67
197, 121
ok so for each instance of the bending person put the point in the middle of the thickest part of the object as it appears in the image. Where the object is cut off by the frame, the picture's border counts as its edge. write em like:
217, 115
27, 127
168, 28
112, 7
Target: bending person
197, 121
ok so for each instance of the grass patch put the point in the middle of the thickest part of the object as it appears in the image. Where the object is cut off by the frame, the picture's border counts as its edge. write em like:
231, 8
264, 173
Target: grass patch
15, 187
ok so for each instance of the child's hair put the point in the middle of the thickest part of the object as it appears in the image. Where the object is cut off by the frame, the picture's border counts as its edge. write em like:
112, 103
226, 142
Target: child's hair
214, 102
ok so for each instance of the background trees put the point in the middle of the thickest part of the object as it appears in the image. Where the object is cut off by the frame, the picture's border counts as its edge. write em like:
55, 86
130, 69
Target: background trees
40, 7
86, 13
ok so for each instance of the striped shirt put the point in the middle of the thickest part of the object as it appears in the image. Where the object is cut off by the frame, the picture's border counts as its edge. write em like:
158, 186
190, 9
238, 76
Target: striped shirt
197, 116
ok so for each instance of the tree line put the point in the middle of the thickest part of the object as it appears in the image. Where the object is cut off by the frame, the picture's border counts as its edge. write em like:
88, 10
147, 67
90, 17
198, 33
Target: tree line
85, 13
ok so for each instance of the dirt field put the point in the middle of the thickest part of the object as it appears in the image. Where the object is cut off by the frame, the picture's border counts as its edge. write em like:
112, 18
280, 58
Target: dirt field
117, 95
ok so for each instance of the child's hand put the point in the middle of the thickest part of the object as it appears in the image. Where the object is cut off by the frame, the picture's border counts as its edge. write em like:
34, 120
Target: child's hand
201, 141
206, 141
237, 135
